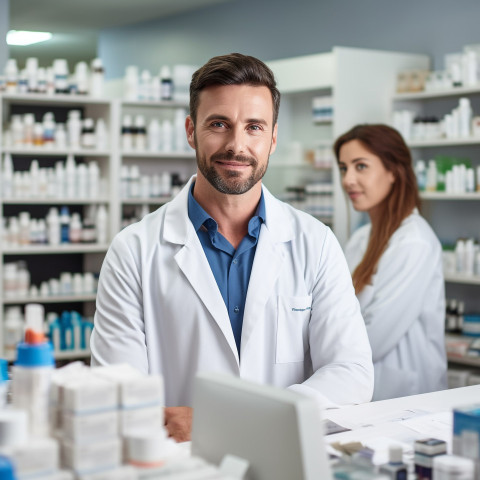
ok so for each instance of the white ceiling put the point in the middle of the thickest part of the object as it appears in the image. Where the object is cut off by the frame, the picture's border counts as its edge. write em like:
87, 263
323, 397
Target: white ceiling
76, 23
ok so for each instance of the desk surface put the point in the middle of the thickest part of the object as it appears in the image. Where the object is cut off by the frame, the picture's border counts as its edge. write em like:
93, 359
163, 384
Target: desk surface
401, 420
433, 402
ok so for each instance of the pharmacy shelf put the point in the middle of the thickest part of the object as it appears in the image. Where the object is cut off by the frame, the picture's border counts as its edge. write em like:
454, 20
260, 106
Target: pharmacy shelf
58, 249
451, 92
55, 201
50, 299
465, 360
449, 196
63, 355
147, 201
57, 99
444, 142
54, 152
465, 279
154, 104
159, 155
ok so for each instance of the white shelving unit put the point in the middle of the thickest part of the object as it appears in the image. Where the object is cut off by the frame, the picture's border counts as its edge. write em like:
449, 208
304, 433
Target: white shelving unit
47, 258
181, 162
365, 100
450, 215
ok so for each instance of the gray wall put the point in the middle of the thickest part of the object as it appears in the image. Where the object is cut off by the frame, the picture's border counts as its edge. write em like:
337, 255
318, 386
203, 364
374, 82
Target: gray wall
272, 29
4, 23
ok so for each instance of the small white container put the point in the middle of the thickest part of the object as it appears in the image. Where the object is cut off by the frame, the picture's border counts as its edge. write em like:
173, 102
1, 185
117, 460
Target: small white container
452, 467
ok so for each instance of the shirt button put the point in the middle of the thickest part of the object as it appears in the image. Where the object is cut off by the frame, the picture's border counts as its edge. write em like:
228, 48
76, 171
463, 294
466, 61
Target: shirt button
235, 261
236, 310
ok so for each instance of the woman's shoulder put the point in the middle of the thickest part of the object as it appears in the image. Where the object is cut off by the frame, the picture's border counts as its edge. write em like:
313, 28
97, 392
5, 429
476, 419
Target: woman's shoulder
415, 229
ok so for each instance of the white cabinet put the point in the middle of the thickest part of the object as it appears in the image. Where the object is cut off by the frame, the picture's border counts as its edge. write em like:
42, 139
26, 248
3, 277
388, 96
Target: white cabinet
360, 83
47, 261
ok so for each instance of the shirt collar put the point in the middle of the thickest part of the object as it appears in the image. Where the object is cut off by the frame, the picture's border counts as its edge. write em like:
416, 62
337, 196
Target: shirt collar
198, 216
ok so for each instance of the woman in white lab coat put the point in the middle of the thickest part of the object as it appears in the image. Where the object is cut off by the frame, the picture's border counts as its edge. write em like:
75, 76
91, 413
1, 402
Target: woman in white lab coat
396, 263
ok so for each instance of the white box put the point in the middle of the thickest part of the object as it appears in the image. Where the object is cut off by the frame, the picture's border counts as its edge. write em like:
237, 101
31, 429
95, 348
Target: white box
94, 427
37, 457
88, 394
134, 388
141, 420
91, 457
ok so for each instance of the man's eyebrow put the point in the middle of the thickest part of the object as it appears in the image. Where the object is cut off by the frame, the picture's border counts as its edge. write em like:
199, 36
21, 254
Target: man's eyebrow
215, 116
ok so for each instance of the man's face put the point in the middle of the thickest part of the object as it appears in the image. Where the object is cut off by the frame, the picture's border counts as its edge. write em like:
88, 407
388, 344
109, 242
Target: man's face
233, 136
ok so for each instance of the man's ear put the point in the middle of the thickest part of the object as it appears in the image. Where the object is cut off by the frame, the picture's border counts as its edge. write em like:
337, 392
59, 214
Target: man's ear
190, 130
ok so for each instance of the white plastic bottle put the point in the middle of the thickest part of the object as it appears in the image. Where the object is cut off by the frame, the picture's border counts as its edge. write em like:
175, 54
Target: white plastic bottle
101, 223
53, 227
7, 176
11, 74
153, 135
75, 230
81, 77
465, 117
131, 83
13, 330
421, 174
74, 127
166, 83
82, 181
134, 182
140, 137
60, 69
93, 180
31, 373
97, 78
101, 136
70, 177
167, 136
180, 137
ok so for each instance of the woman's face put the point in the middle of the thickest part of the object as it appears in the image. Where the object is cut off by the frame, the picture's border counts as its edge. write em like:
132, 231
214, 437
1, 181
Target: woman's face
364, 177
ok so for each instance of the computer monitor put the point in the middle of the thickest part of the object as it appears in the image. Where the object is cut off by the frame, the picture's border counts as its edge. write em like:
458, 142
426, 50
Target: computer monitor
278, 431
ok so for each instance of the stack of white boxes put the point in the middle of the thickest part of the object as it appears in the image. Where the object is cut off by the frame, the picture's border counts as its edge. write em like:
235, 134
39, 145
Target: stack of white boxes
94, 410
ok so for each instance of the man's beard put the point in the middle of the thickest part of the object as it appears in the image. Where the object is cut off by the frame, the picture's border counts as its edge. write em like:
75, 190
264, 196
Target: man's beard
231, 183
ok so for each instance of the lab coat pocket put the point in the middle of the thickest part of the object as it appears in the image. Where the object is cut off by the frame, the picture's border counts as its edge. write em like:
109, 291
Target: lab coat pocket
292, 328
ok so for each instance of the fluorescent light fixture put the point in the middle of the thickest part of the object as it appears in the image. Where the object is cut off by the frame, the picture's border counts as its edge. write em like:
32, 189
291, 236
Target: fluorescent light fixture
24, 37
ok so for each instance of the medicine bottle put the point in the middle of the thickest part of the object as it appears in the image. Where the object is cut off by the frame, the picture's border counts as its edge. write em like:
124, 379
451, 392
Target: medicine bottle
64, 225
60, 69
32, 371
127, 137
395, 468
88, 133
166, 88
140, 139
97, 78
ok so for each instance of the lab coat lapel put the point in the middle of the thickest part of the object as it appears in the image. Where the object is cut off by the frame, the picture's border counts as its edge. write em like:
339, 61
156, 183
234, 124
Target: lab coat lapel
192, 261
268, 263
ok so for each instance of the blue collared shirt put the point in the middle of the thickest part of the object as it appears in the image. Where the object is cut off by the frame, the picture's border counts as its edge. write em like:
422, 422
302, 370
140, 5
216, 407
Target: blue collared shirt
231, 268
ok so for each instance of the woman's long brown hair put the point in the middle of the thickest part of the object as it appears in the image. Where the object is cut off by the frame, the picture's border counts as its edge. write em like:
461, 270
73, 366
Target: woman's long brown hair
387, 144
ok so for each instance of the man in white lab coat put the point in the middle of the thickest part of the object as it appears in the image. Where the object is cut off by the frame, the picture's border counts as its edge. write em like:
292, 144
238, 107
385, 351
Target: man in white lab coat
227, 278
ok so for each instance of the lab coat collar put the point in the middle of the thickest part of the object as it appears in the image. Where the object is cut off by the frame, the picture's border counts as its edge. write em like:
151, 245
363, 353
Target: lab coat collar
178, 227
267, 265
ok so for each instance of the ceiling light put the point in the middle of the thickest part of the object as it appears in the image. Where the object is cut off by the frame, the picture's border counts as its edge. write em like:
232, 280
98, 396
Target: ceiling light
23, 37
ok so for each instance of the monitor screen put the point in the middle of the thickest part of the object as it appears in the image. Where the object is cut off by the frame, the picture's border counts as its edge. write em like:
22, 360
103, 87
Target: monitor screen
279, 432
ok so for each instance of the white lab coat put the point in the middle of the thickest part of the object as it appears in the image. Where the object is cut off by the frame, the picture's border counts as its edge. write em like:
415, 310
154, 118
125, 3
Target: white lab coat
404, 309
159, 308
